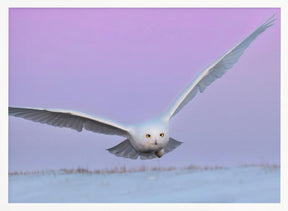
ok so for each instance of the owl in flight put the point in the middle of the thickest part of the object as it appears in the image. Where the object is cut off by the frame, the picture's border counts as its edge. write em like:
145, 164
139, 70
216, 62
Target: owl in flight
150, 139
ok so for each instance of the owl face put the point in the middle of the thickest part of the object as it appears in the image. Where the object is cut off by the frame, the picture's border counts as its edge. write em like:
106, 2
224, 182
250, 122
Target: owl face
151, 137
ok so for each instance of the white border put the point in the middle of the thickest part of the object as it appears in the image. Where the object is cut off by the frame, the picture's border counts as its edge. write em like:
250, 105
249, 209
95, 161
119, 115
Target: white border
5, 4
4, 105
145, 3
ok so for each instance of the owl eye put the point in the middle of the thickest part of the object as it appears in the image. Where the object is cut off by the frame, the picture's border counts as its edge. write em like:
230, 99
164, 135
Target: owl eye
162, 134
148, 135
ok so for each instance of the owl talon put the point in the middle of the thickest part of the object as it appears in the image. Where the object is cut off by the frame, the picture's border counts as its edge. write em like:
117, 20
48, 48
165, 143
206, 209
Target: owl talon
159, 153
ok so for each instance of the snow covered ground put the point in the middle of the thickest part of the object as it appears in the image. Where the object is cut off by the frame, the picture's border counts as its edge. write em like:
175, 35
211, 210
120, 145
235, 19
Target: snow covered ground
232, 185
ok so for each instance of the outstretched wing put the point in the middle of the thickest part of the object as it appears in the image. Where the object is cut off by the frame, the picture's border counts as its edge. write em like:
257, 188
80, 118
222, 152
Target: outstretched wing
70, 119
215, 71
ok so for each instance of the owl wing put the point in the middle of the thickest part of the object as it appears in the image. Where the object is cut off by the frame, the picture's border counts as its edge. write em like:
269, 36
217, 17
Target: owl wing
215, 71
70, 119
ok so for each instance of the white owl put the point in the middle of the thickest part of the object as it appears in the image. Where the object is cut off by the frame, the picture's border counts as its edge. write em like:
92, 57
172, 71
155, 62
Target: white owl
149, 139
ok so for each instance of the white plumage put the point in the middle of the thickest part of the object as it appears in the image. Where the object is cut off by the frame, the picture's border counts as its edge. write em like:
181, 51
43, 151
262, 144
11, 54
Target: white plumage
150, 139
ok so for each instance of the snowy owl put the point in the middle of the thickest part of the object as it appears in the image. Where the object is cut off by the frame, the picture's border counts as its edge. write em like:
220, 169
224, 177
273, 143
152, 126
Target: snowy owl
150, 139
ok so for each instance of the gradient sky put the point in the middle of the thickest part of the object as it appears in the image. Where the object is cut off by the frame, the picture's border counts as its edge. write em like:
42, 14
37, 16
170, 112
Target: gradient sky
129, 65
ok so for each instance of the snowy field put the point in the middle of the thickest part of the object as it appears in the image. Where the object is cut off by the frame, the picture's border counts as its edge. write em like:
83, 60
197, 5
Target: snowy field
231, 185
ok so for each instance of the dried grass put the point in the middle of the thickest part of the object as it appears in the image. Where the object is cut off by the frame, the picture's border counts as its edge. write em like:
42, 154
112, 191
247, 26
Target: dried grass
123, 169
262, 165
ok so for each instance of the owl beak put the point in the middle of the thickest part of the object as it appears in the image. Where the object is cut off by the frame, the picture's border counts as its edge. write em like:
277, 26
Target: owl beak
156, 142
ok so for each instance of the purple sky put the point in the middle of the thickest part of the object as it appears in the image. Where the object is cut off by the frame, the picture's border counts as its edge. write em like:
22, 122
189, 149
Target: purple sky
129, 65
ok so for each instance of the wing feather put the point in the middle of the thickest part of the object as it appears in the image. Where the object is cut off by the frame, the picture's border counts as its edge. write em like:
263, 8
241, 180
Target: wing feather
215, 71
70, 119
